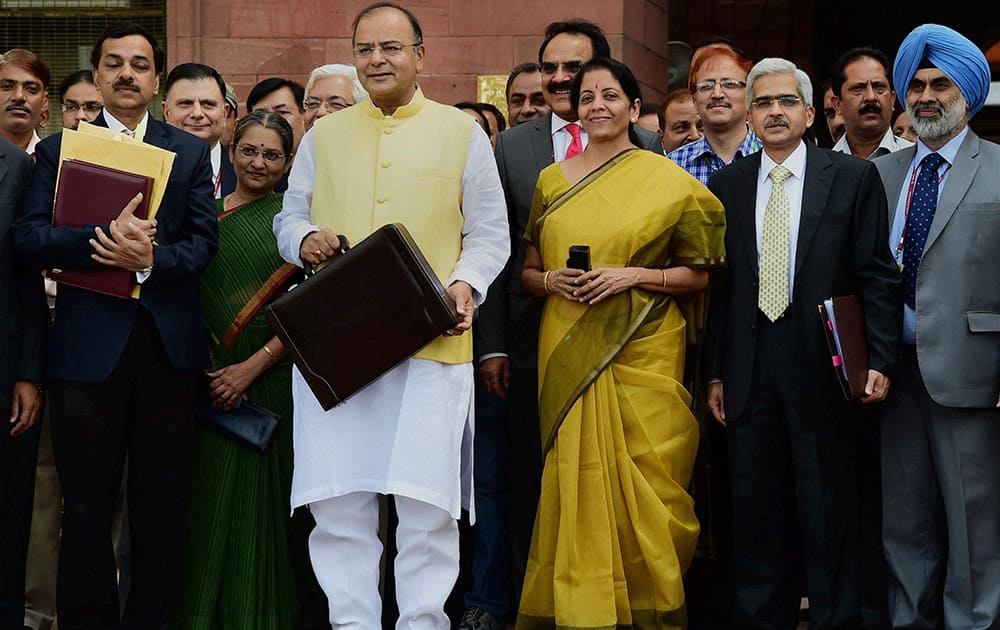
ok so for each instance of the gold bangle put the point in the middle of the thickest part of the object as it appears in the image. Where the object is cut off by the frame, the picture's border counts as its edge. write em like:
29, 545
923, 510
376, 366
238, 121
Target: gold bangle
664, 278
268, 351
545, 281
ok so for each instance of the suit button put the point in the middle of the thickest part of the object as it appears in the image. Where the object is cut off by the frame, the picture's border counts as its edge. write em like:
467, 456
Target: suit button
753, 327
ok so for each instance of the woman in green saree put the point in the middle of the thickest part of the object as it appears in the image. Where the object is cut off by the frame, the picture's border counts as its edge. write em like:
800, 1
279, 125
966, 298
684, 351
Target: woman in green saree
615, 528
238, 573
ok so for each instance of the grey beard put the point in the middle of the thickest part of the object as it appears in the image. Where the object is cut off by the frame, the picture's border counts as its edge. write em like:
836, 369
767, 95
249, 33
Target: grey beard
951, 118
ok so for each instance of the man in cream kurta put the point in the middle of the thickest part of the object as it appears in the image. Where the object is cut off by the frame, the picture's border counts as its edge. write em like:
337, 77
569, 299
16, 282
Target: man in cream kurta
403, 158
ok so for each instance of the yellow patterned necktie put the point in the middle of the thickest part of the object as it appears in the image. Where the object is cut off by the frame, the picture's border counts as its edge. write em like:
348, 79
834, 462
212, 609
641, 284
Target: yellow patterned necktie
774, 247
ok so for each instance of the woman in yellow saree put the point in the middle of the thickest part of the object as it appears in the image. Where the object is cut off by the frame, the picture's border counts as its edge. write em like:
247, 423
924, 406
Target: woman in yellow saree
616, 527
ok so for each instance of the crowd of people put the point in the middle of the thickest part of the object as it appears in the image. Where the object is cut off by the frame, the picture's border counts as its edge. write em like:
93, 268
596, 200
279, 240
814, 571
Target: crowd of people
635, 415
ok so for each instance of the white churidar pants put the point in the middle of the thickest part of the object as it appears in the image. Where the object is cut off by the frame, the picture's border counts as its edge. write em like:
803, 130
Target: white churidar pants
345, 551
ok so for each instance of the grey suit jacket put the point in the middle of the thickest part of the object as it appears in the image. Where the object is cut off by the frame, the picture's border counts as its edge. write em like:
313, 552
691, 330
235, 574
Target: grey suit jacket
508, 319
23, 311
958, 289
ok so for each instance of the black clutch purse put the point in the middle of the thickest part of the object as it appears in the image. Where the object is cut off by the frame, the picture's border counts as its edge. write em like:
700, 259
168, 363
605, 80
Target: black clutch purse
248, 425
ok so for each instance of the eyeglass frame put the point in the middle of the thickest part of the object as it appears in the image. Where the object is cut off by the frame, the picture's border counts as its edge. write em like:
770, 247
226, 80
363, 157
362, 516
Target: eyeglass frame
91, 107
245, 149
708, 85
363, 52
784, 101
314, 102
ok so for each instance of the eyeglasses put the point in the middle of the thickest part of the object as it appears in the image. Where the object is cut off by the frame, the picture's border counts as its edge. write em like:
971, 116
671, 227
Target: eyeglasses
388, 49
251, 152
726, 84
786, 101
91, 107
569, 67
334, 102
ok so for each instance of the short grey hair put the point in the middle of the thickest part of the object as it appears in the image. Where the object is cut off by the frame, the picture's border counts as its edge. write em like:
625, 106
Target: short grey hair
338, 70
776, 65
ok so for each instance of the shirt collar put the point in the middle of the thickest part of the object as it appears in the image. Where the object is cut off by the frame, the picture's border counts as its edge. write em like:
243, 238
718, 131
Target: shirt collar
116, 125
949, 151
558, 124
31, 144
796, 163
889, 142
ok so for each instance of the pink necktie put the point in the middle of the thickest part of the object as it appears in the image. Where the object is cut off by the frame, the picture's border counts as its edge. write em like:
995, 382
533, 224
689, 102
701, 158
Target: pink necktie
576, 146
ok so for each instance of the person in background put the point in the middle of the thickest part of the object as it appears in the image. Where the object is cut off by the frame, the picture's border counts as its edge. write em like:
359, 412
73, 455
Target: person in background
941, 426
678, 119
285, 98
648, 118
22, 374
232, 113
864, 98
24, 99
195, 101
525, 100
331, 88
834, 119
902, 126
238, 574
80, 98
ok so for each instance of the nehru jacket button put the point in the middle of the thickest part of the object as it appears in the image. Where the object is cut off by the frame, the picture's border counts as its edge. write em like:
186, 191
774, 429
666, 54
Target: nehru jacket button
380, 200
385, 164
387, 131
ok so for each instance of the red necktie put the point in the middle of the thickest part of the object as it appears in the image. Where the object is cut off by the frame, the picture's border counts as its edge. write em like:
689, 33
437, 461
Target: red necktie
576, 146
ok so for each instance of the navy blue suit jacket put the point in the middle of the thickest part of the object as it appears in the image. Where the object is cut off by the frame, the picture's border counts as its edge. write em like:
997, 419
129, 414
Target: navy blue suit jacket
90, 329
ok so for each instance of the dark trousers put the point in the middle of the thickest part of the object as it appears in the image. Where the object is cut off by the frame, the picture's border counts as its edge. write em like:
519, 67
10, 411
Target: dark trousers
491, 559
145, 410
524, 466
794, 488
18, 456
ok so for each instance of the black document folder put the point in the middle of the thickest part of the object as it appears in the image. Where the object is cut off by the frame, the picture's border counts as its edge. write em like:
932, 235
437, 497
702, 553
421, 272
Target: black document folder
370, 309
844, 328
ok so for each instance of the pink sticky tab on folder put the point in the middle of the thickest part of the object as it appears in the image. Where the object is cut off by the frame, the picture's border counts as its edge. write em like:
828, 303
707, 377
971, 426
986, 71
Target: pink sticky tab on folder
837, 361
829, 324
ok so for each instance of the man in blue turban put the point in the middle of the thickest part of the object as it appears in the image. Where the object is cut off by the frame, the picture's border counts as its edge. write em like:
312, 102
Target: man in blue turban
941, 423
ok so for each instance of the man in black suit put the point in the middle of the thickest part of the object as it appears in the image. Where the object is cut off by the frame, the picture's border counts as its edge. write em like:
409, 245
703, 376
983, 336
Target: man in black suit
23, 320
803, 224
506, 332
123, 372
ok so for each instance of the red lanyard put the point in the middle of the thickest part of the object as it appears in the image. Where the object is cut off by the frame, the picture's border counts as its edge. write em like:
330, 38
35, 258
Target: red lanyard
218, 183
906, 208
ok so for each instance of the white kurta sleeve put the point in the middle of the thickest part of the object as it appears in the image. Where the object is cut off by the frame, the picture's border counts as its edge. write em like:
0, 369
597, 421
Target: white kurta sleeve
485, 234
294, 222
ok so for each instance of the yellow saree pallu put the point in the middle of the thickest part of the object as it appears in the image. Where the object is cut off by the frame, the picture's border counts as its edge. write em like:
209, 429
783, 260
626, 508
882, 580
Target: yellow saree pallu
616, 529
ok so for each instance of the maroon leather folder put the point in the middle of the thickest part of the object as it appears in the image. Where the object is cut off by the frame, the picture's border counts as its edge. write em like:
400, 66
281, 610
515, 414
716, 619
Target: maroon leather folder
90, 194
367, 311
845, 336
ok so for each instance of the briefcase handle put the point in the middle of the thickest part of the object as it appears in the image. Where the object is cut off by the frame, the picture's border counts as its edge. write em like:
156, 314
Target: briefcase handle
345, 245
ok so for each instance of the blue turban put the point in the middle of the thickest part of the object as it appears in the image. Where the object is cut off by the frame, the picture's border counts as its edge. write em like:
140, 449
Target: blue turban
952, 53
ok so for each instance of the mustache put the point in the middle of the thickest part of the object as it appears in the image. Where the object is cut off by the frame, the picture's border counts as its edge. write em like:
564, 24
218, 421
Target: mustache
125, 85
870, 108
552, 87
930, 105
776, 120
23, 107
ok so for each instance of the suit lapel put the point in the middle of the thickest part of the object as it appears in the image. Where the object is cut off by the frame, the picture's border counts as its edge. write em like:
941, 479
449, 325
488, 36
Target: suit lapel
815, 191
893, 169
959, 180
541, 142
3, 164
745, 220
156, 133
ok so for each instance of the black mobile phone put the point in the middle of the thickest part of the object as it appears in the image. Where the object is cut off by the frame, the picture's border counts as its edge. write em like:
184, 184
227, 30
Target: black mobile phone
579, 257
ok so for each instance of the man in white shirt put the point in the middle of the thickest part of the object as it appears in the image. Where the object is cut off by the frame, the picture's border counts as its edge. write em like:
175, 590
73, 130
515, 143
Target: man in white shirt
195, 101
408, 433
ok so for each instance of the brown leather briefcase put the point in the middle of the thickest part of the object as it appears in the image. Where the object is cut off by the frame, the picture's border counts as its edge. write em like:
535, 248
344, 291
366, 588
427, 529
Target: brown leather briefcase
370, 309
